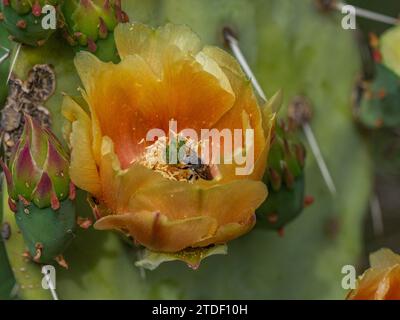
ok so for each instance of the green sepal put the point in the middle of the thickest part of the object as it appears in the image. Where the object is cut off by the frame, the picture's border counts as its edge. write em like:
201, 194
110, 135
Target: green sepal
192, 257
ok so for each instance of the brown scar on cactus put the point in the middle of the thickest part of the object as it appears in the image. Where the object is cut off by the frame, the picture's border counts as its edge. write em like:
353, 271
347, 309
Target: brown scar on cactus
26, 97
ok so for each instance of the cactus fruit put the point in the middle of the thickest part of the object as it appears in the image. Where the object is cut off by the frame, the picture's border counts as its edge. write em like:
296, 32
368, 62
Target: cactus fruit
379, 106
89, 24
41, 193
284, 178
23, 20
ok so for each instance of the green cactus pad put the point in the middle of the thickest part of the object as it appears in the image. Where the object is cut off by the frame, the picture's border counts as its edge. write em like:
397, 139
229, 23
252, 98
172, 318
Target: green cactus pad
89, 25
47, 230
23, 24
380, 105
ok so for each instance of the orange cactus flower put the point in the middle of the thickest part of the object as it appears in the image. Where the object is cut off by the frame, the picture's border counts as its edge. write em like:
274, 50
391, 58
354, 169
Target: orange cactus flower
165, 74
382, 280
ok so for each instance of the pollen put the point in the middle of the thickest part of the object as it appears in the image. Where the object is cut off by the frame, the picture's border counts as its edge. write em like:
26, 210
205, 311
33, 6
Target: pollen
158, 157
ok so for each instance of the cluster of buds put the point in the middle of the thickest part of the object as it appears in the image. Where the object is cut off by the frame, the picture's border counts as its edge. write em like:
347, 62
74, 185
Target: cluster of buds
41, 193
285, 180
86, 23
23, 20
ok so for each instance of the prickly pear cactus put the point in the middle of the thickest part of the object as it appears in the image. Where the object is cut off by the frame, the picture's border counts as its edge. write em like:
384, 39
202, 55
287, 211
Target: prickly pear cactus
41, 193
380, 104
89, 24
23, 20
279, 40
285, 180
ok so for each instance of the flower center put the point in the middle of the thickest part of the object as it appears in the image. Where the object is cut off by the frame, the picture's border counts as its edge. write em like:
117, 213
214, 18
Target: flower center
177, 159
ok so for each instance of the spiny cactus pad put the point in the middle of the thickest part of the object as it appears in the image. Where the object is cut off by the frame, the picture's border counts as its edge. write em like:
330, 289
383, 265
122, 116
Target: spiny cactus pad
46, 244
285, 180
41, 193
380, 106
89, 24
23, 20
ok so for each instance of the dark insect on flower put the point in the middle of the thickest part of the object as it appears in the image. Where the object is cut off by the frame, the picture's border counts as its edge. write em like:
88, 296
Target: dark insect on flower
198, 169
26, 97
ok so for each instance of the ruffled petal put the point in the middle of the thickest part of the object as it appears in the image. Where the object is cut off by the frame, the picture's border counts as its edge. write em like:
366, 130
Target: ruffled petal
83, 169
233, 202
132, 39
156, 232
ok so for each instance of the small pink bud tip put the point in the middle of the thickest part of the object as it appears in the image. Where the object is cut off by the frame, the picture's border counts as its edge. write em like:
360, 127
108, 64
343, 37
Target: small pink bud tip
276, 180
300, 154
377, 56
281, 232
107, 5
308, 201
103, 31
21, 24
24, 201
55, 203
7, 174
194, 266
61, 261
272, 218
84, 223
86, 3
36, 9
96, 213
39, 248
91, 45
72, 191
12, 205
289, 178
26, 255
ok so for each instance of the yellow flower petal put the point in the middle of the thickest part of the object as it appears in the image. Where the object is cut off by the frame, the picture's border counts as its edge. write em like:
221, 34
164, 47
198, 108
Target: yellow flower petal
157, 232
382, 280
132, 39
83, 169
165, 75
228, 232
227, 203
